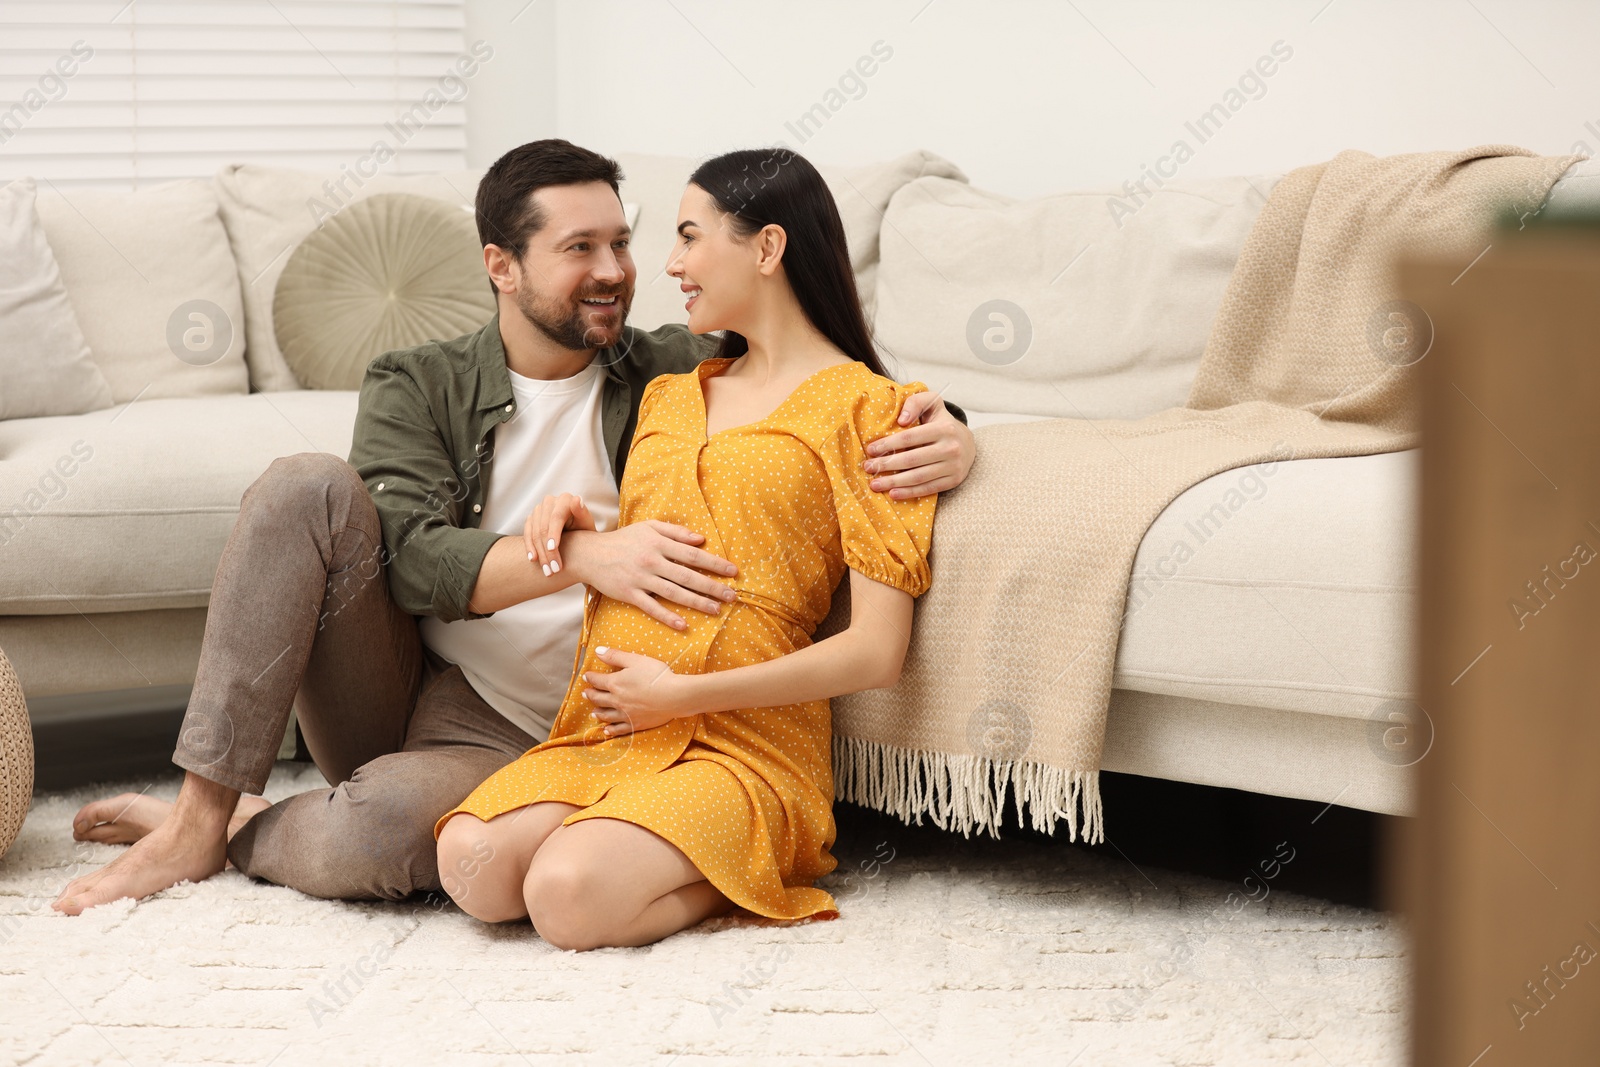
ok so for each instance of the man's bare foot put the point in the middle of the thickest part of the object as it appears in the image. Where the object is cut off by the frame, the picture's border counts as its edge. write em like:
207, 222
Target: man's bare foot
127, 817
169, 854
189, 844
249, 808
119, 820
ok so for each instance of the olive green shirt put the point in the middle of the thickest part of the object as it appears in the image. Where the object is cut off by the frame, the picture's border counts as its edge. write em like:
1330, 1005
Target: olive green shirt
424, 437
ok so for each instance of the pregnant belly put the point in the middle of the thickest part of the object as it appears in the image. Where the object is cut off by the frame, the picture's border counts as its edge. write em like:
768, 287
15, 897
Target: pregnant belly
741, 634
749, 630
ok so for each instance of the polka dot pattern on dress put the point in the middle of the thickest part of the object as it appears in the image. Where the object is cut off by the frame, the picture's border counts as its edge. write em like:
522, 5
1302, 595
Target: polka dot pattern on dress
746, 794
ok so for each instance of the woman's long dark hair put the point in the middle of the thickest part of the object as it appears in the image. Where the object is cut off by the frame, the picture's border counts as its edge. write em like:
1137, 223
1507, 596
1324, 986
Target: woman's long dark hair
776, 187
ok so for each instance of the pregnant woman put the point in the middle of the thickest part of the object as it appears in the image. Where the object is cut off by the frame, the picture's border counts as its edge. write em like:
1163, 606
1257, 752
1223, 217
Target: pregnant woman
689, 771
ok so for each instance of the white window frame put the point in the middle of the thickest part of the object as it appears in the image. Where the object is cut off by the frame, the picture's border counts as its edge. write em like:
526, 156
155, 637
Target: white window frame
129, 93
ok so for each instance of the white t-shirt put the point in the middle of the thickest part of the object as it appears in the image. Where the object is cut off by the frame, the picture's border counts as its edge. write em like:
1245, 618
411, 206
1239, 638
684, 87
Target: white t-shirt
520, 658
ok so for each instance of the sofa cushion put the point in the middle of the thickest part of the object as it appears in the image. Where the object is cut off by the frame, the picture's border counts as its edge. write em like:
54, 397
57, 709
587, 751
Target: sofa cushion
1058, 306
129, 507
656, 184
393, 271
269, 210
1285, 585
153, 281
1295, 587
45, 366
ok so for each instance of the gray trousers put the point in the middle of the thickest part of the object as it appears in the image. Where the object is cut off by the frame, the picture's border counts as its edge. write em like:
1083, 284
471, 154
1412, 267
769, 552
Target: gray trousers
300, 616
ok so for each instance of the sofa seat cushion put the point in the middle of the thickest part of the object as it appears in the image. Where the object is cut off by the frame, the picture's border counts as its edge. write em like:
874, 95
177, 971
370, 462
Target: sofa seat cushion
1288, 585
1296, 588
129, 507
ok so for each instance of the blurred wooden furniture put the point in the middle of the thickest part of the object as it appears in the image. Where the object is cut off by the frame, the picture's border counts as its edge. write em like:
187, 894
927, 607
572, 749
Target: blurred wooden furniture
1499, 874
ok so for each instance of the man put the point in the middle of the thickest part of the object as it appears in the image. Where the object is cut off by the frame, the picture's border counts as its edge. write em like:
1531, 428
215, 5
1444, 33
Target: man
329, 564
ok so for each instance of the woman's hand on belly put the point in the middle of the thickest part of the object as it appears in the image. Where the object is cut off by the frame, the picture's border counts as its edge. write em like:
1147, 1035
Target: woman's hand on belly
638, 693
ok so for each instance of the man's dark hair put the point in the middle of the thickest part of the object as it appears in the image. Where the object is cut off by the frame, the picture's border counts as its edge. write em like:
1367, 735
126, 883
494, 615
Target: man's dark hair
506, 211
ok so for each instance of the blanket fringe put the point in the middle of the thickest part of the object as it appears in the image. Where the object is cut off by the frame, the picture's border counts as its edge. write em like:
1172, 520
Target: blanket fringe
965, 793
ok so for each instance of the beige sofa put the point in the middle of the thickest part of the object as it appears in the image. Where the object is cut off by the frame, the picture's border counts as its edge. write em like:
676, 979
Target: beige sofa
1264, 662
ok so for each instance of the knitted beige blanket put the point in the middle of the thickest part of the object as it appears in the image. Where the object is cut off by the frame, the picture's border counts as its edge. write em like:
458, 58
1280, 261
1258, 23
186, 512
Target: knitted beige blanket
1008, 677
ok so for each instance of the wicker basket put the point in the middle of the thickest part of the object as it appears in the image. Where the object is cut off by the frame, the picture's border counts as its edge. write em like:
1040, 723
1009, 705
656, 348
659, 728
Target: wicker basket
16, 756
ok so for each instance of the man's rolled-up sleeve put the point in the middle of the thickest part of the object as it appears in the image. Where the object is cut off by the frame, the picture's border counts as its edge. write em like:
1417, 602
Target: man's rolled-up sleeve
432, 562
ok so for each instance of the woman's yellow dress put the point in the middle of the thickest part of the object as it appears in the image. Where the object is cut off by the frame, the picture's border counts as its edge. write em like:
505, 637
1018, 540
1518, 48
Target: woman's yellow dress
747, 794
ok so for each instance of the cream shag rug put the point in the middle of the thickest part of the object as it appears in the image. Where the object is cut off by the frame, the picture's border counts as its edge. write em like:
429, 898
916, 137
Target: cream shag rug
949, 951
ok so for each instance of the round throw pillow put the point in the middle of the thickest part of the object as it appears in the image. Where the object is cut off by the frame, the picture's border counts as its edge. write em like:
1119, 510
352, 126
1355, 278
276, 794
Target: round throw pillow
388, 272
16, 756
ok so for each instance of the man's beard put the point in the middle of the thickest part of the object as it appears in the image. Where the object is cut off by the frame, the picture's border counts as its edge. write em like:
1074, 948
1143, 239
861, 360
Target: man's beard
567, 325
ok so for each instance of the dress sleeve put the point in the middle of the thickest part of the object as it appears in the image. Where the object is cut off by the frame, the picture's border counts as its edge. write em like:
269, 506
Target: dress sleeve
885, 539
647, 401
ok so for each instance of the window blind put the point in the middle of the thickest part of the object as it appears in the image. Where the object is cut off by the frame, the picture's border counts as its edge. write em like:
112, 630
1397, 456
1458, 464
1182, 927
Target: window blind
113, 93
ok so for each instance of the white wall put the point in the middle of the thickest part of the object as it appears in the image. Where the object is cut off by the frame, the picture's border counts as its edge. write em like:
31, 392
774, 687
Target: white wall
513, 98
1030, 96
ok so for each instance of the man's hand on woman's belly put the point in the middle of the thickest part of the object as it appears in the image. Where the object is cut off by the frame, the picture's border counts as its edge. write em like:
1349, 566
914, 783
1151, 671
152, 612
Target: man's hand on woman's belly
650, 557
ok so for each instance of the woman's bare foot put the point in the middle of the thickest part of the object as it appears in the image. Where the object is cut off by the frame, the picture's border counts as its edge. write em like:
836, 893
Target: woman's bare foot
127, 817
